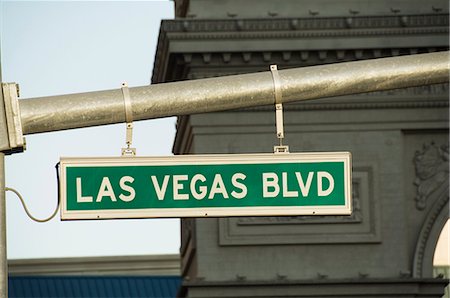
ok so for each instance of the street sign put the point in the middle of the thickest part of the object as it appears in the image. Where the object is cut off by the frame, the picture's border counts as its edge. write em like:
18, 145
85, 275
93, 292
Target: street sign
206, 185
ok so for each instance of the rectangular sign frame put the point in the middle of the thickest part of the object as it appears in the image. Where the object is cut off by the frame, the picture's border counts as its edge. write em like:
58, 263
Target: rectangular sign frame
215, 160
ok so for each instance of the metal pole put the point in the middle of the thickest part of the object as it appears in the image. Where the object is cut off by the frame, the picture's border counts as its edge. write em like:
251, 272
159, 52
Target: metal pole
232, 92
3, 257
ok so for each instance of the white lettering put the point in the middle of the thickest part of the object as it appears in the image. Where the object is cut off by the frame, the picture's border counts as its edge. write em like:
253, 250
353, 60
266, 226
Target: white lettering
127, 188
80, 198
237, 184
304, 188
106, 190
286, 192
178, 186
218, 187
202, 189
270, 180
160, 191
320, 191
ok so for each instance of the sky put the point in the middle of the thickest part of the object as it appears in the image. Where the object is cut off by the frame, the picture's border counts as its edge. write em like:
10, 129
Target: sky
62, 47
53, 48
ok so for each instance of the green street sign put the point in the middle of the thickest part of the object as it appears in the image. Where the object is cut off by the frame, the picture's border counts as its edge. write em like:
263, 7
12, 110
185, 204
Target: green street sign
206, 185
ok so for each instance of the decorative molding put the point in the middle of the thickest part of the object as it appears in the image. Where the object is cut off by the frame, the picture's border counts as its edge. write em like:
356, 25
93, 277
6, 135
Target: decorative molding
226, 57
359, 106
298, 29
336, 33
222, 62
429, 234
247, 57
286, 58
355, 217
431, 166
362, 227
293, 24
278, 287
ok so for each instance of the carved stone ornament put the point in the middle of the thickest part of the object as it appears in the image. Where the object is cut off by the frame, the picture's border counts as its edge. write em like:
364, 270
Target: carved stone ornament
431, 165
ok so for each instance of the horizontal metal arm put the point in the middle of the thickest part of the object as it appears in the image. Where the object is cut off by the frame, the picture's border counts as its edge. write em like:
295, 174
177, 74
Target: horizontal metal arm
231, 92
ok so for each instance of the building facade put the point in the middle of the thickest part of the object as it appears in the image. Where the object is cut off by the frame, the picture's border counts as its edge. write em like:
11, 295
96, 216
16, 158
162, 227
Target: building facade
398, 140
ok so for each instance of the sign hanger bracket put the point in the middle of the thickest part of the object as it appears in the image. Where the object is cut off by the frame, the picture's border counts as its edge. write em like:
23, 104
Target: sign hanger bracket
128, 151
278, 111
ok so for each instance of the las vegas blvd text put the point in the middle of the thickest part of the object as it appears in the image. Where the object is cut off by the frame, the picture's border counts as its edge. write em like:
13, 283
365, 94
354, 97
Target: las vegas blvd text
185, 187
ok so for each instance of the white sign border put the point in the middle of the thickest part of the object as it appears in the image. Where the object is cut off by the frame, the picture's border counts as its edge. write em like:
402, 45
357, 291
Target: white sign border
212, 159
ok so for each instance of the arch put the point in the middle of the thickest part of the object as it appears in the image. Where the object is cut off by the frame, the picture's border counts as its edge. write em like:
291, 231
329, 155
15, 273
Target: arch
429, 235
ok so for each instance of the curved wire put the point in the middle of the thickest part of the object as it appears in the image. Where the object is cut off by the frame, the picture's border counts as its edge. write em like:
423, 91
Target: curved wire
25, 206
26, 209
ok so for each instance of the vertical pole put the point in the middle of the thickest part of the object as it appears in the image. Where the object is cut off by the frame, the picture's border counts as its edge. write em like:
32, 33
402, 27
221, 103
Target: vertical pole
3, 259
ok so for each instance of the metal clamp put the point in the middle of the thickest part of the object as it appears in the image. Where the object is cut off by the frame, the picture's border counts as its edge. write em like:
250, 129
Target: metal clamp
278, 111
128, 151
11, 135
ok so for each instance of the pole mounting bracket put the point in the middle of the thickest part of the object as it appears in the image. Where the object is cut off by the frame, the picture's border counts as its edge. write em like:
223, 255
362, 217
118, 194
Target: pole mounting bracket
278, 111
128, 151
11, 135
